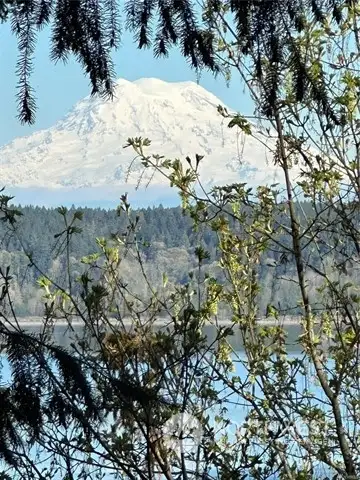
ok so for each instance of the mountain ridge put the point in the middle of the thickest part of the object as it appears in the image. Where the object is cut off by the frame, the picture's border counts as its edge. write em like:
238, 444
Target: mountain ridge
84, 149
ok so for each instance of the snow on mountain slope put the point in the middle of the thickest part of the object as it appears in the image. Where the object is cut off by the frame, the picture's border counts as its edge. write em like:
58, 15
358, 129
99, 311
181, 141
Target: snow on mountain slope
85, 149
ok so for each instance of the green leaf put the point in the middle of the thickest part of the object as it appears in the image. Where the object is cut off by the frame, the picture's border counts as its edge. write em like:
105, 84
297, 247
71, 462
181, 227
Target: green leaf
240, 122
62, 211
89, 259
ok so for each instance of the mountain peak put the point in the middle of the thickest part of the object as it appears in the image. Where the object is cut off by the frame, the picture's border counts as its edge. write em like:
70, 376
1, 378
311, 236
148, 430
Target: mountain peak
85, 148
132, 102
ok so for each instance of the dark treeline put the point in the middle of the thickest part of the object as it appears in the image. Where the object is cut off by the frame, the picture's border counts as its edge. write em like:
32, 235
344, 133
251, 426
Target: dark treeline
167, 240
165, 237
38, 226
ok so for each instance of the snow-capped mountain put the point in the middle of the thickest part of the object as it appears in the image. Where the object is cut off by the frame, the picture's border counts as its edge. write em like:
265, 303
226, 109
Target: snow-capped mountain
85, 150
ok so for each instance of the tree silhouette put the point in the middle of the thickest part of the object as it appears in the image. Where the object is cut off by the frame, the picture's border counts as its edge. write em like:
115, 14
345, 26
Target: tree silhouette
90, 30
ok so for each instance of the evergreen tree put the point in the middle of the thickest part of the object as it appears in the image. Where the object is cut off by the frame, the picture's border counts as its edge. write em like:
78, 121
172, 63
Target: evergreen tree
91, 30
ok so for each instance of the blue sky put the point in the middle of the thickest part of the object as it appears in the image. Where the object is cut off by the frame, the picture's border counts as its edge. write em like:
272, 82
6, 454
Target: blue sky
59, 87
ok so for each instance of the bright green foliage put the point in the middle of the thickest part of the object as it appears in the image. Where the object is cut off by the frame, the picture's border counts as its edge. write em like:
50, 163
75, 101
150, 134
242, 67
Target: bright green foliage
301, 66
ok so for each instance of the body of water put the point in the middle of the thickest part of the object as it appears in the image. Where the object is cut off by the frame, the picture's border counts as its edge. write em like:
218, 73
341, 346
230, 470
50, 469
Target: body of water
64, 338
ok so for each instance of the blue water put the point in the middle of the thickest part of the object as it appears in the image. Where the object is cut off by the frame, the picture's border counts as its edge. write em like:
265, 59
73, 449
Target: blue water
236, 414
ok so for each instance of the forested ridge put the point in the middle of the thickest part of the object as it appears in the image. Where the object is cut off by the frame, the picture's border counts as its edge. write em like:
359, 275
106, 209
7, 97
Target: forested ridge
165, 236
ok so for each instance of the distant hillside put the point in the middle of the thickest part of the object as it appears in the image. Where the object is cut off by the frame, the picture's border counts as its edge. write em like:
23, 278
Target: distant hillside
167, 242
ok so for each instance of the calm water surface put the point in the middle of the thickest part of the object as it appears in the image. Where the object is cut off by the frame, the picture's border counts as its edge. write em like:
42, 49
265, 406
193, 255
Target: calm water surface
63, 336
237, 414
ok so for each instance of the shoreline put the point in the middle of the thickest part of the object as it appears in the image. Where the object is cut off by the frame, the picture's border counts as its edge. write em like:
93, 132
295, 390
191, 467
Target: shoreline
38, 321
